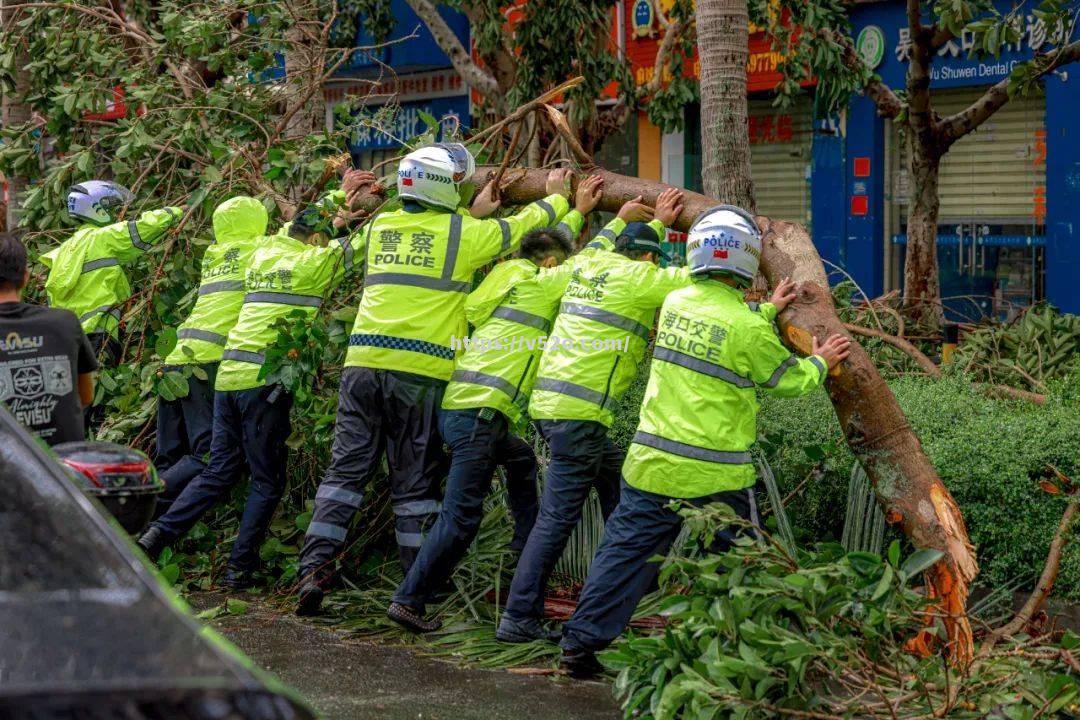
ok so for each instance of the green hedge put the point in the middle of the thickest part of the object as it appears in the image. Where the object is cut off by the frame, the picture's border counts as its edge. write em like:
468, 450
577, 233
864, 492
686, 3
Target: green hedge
990, 454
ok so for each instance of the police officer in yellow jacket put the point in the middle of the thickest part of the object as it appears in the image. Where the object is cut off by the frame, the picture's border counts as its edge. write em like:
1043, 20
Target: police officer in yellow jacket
86, 272
419, 268
185, 425
698, 422
486, 402
288, 273
598, 341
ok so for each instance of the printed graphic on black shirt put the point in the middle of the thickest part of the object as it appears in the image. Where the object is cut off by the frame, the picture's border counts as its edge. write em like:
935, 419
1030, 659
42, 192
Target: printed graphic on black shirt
41, 352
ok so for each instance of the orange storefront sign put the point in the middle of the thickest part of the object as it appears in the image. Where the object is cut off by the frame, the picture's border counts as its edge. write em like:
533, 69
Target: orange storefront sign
643, 35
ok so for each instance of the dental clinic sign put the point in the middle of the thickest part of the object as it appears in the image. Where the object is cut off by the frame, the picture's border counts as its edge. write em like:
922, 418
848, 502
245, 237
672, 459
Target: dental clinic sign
952, 67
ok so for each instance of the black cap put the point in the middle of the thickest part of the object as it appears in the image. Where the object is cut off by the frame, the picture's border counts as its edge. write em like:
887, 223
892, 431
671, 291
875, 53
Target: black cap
640, 236
308, 220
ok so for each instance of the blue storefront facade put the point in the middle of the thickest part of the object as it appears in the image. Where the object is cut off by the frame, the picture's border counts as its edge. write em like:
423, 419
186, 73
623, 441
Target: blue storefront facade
404, 87
1009, 227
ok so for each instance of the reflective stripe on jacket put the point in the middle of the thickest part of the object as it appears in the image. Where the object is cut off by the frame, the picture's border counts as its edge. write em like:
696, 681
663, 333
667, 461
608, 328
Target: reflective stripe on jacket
512, 313
699, 416
239, 225
600, 335
86, 274
420, 266
284, 275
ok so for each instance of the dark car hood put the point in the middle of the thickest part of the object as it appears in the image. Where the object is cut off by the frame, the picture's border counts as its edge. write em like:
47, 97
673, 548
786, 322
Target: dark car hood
79, 612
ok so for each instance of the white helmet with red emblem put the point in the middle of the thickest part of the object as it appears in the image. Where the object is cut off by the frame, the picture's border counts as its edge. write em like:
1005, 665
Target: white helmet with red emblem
434, 175
724, 239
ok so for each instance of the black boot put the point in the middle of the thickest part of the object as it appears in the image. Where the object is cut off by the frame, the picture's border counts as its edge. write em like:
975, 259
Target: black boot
310, 599
410, 619
152, 542
237, 579
581, 664
512, 630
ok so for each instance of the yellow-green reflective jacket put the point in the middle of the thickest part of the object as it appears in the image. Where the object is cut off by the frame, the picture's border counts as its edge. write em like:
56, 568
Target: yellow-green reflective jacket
284, 275
239, 225
419, 270
512, 312
600, 335
86, 273
699, 415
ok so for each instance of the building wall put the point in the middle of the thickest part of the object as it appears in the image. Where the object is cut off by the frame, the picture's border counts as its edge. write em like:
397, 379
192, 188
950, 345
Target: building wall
866, 246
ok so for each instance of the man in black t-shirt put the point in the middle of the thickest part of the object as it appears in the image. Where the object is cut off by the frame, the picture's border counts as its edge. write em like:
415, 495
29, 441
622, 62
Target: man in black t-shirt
45, 359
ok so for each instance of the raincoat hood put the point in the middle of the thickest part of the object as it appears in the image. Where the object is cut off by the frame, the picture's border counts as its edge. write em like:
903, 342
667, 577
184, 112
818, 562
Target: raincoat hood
239, 218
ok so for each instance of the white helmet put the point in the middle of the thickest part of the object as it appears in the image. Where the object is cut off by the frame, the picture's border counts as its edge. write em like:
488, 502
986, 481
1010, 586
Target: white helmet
724, 239
434, 175
97, 201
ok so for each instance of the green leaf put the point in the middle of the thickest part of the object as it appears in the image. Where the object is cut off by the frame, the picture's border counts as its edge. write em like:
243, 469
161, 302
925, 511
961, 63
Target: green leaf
919, 561
171, 573
884, 584
165, 343
894, 552
864, 563
211, 175
236, 607
211, 613
303, 520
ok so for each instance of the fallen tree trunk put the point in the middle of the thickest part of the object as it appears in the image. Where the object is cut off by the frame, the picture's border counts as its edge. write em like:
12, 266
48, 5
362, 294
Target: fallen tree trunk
907, 486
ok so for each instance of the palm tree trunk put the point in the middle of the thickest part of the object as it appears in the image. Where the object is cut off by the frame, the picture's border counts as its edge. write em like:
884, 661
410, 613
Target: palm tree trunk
14, 110
723, 32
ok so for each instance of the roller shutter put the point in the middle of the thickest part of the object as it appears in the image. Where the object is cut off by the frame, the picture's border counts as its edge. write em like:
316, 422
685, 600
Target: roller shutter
994, 174
780, 140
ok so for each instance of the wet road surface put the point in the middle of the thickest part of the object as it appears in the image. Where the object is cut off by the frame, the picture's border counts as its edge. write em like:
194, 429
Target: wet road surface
345, 679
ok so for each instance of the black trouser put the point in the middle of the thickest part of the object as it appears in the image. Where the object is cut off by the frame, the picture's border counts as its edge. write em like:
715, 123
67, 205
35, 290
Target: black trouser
582, 457
107, 350
476, 446
519, 461
252, 426
184, 429
379, 411
641, 527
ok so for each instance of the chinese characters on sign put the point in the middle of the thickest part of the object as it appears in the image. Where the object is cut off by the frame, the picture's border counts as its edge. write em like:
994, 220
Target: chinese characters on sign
424, 85
1032, 31
770, 128
1039, 207
390, 128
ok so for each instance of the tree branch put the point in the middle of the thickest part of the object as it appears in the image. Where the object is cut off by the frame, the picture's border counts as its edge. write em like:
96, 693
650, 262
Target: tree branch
448, 42
1045, 585
914, 23
940, 36
887, 102
900, 344
956, 126
563, 128
918, 75
672, 32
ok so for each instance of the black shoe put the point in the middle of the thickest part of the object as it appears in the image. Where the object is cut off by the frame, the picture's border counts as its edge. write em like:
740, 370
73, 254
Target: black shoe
410, 619
512, 630
152, 542
580, 664
310, 598
236, 579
